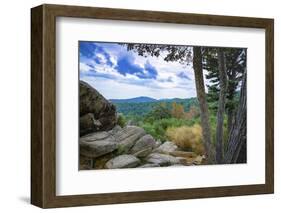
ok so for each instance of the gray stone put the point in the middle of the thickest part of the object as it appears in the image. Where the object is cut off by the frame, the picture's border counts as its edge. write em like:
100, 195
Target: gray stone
127, 137
177, 165
157, 144
115, 129
96, 136
166, 148
143, 146
97, 144
161, 159
123, 161
88, 123
149, 165
142, 153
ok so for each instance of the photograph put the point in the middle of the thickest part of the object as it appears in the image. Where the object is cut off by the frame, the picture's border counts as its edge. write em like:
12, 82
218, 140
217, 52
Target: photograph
145, 105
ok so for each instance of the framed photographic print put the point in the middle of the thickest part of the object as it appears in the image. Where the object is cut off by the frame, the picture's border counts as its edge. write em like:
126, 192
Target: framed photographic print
136, 106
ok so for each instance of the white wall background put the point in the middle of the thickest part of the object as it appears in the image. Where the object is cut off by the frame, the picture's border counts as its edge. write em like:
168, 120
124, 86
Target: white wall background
15, 104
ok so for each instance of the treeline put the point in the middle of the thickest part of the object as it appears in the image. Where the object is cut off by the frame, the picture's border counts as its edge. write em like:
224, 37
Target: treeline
143, 108
226, 72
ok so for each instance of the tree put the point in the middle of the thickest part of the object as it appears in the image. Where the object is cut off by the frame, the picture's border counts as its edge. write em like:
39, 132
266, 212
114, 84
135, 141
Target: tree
177, 110
159, 111
201, 95
237, 135
193, 112
235, 63
235, 59
210, 63
183, 54
221, 105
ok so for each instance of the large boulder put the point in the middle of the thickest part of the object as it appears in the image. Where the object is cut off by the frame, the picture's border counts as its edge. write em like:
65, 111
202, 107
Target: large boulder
97, 144
143, 146
122, 161
96, 113
127, 137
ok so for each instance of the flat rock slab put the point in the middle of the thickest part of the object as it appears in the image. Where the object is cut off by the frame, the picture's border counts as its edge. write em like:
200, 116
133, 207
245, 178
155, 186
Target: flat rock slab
122, 161
129, 131
143, 146
127, 137
162, 159
166, 147
97, 144
96, 136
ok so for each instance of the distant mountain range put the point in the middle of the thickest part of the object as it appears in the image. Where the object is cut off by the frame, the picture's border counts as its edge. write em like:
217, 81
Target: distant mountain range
144, 99
141, 106
141, 99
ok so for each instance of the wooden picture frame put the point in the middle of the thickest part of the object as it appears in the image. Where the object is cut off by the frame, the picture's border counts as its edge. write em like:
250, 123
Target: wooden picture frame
43, 105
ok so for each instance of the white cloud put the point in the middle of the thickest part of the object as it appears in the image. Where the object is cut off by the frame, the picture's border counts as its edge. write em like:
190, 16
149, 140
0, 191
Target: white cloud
112, 89
84, 68
167, 84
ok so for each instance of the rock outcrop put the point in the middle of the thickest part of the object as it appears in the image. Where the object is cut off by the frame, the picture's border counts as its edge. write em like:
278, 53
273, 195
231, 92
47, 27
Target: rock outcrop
130, 147
96, 113
97, 144
105, 145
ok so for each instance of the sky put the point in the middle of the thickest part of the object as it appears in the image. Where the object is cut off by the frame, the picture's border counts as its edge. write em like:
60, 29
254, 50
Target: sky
119, 74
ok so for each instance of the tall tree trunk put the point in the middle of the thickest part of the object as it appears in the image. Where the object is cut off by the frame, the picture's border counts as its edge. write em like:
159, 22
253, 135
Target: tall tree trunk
230, 117
221, 105
201, 95
231, 88
237, 136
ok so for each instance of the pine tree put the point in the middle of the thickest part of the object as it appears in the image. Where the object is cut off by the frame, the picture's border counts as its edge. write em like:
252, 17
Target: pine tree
235, 59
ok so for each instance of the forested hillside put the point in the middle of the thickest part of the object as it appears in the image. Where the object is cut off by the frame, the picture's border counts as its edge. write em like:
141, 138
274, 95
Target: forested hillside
141, 106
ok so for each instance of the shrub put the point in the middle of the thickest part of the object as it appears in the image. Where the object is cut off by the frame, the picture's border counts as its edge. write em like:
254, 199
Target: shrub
187, 138
157, 131
121, 120
157, 128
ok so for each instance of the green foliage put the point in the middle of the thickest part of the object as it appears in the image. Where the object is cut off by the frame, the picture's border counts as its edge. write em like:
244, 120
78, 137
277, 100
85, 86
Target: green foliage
158, 128
235, 68
213, 123
156, 117
143, 108
121, 120
159, 111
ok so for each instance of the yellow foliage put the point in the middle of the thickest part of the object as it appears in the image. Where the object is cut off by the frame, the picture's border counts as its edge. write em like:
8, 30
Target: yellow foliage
187, 138
177, 110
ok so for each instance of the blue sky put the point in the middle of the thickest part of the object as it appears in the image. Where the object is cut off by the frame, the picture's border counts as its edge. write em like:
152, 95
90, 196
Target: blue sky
118, 73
